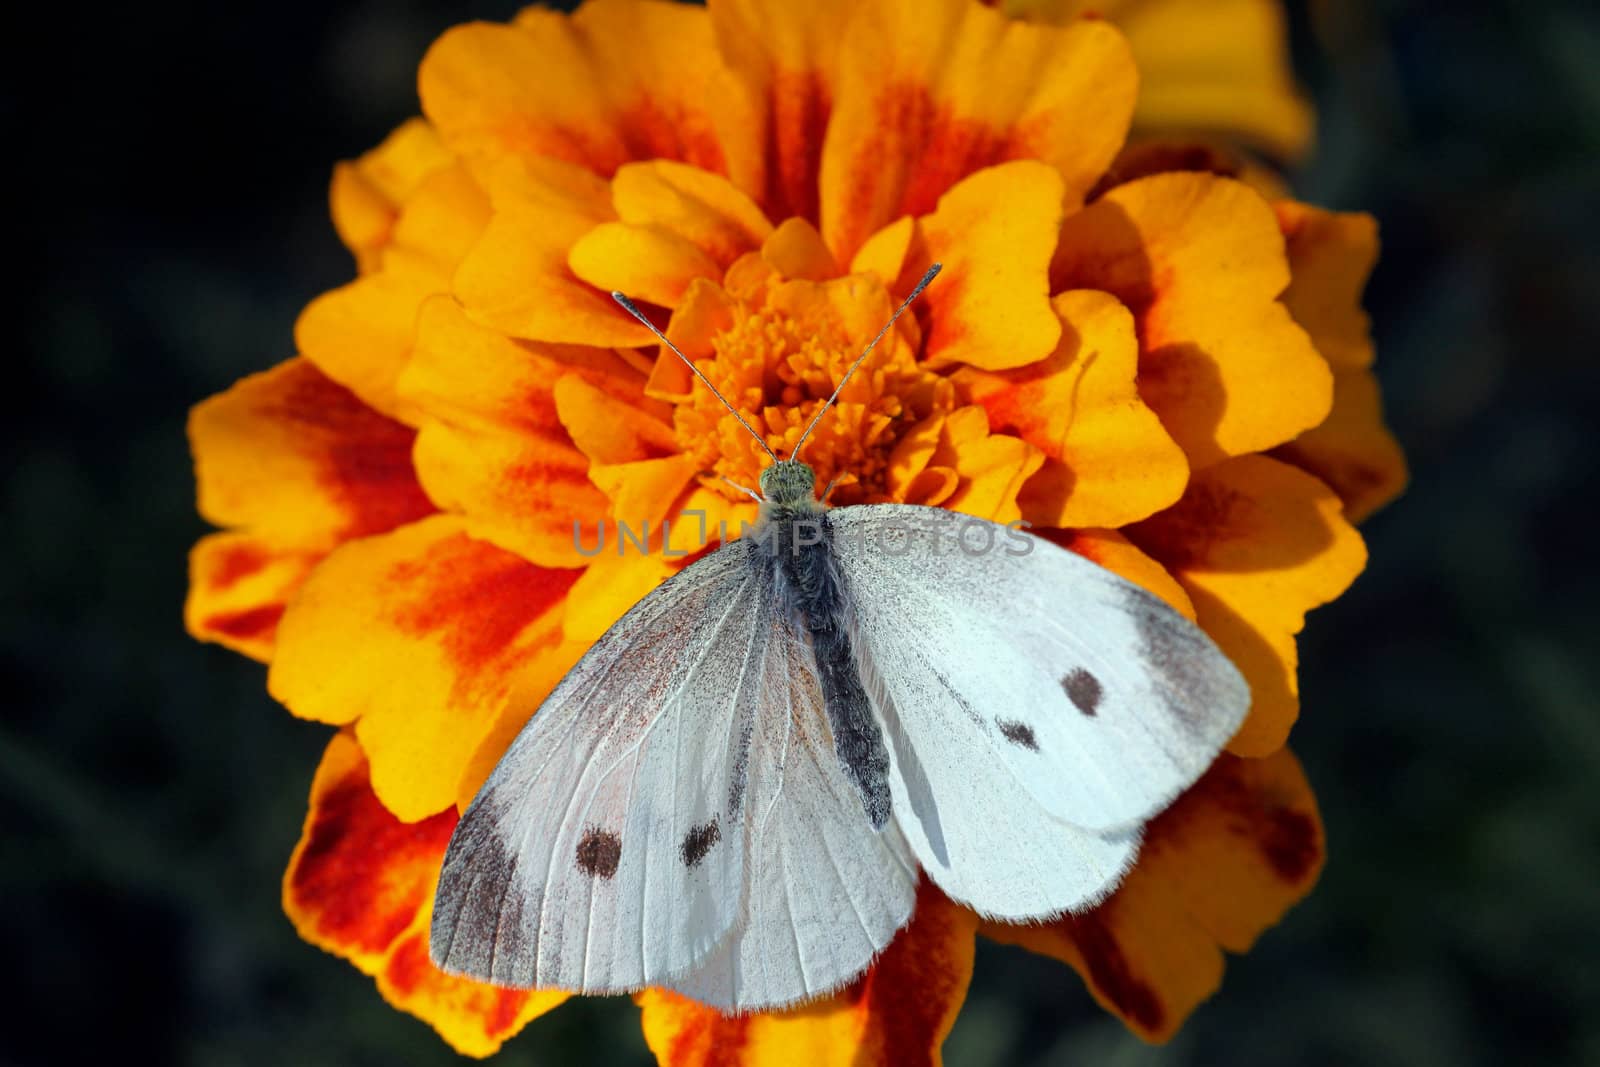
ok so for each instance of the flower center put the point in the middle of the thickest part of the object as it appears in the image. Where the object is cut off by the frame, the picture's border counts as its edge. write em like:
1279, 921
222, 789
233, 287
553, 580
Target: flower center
778, 371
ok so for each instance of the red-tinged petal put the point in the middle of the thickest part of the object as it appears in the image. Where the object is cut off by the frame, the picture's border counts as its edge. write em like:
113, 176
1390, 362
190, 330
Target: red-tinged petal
360, 335
493, 444
774, 99
896, 1015
366, 193
1200, 262
359, 876
360, 885
238, 586
1220, 866
297, 464
994, 233
1109, 461
928, 94
517, 279
289, 452
421, 637
617, 80
475, 1019
1257, 544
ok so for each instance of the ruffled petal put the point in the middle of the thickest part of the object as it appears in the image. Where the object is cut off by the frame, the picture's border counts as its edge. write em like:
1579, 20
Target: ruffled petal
360, 885
1108, 459
296, 464
493, 445
676, 224
929, 93
896, 1015
1220, 866
366, 193
1257, 543
994, 232
1352, 450
1200, 262
988, 469
615, 81
360, 334
1330, 258
421, 637
517, 278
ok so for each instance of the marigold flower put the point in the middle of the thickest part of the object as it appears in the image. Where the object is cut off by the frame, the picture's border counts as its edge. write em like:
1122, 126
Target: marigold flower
1138, 354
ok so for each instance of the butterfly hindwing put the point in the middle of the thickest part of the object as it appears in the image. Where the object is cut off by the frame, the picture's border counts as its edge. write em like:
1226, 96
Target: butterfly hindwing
826, 891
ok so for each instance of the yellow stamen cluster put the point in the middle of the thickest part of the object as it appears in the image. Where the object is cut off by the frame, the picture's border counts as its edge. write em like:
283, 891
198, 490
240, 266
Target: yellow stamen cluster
778, 371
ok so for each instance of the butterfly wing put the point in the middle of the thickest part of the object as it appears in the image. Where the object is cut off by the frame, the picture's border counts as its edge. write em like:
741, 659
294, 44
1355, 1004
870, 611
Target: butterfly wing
826, 891
605, 850
674, 815
1039, 708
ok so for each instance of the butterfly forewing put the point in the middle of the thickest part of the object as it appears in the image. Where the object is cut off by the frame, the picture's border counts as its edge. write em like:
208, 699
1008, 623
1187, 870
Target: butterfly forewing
607, 849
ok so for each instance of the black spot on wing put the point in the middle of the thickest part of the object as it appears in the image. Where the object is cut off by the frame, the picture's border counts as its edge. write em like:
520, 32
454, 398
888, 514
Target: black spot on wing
698, 841
1083, 689
1018, 733
599, 852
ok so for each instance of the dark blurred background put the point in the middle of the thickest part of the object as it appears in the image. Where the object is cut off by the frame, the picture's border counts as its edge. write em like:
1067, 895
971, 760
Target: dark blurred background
169, 183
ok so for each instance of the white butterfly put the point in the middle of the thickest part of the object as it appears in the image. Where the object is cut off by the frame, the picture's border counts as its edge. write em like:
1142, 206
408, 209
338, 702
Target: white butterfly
732, 794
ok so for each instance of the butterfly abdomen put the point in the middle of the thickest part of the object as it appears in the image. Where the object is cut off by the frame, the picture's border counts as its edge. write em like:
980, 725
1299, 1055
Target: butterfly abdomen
798, 544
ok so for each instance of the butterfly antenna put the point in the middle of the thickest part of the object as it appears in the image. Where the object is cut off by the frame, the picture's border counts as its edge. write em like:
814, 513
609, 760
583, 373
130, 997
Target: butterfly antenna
627, 305
823, 410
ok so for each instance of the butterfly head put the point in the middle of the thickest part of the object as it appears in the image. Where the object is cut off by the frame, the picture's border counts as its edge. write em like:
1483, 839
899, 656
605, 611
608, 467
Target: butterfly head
789, 483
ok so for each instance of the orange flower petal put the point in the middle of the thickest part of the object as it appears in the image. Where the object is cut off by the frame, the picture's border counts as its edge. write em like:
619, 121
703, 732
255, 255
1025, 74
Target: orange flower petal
677, 224
796, 250
1110, 462
298, 464
1200, 261
1353, 451
1330, 256
360, 334
493, 444
366, 194
992, 467
884, 253
421, 637
1219, 65
1216, 869
617, 80
928, 94
897, 1014
774, 99
1257, 544
360, 885
994, 233
517, 279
